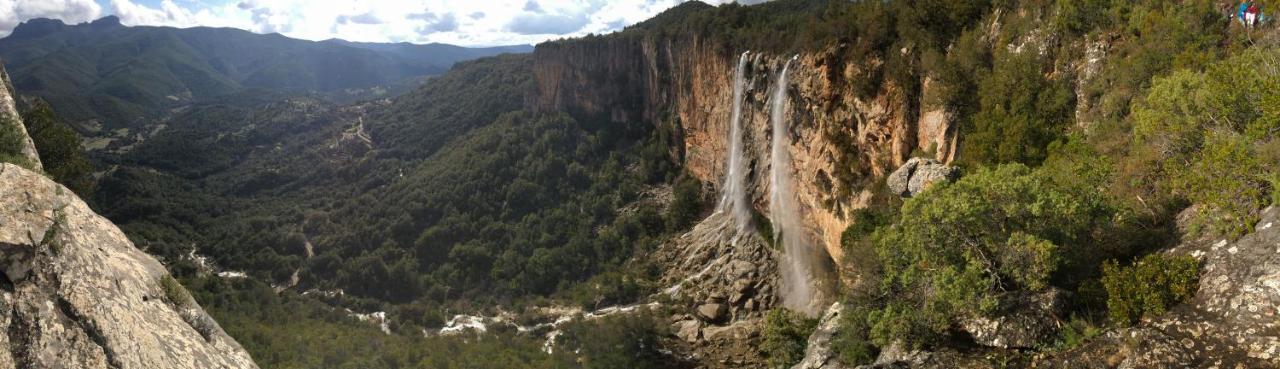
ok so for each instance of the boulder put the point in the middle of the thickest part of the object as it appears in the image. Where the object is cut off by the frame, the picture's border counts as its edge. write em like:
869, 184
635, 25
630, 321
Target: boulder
688, 330
917, 175
713, 312
75, 293
1023, 321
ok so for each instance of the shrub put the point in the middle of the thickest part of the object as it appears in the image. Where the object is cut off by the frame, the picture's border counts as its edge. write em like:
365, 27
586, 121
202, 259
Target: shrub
174, 293
852, 342
1148, 287
956, 248
11, 142
1020, 112
60, 151
686, 204
1204, 132
786, 335
616, 341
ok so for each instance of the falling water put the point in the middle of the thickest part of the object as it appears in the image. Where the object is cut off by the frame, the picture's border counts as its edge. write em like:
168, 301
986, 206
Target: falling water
734, 199
800, 263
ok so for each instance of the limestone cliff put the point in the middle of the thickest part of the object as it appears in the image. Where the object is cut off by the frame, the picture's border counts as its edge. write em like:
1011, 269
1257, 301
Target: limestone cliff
686, 81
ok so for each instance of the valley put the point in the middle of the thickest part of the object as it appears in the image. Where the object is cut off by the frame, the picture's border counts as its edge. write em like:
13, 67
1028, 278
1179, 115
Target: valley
793, 184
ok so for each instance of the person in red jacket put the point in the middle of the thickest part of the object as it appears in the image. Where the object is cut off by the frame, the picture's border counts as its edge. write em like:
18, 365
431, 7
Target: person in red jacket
1251, 15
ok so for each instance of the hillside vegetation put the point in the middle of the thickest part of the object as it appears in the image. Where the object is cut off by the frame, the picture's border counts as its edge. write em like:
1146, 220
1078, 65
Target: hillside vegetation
453, 197
121, 76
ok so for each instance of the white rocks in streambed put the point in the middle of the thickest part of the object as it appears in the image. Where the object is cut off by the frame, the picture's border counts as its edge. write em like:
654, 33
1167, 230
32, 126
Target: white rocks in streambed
378, 317
75, 293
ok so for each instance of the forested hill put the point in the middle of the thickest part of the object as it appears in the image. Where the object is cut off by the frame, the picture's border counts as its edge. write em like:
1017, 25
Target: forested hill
1099, 159
117, 75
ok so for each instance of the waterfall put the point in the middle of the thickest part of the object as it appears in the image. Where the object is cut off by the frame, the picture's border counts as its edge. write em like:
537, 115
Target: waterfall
801, 265
734, 198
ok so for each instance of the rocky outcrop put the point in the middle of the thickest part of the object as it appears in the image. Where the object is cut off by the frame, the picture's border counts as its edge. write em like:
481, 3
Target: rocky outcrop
9, 117
75, 293
1025, 321
898, 356
1232, 322
917, 175
819, 354
723, 276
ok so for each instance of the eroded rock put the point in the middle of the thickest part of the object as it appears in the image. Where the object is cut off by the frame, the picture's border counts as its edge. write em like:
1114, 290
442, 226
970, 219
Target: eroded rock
713, 312
710, 268
917, 175
9, 117
77, 294
1232, 322
1025, 321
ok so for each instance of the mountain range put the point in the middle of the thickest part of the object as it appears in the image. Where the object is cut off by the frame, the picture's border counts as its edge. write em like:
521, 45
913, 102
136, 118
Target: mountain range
117, 76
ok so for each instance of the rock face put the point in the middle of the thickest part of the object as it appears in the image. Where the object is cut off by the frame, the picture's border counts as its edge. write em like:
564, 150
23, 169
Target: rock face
1232, 322
9, 116
685, 81
1025, 322
75, 293
819, 353
917, 175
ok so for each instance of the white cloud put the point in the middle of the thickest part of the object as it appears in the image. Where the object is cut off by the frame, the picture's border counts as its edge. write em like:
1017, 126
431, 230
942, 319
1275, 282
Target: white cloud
169, 14
473, 23
13, 12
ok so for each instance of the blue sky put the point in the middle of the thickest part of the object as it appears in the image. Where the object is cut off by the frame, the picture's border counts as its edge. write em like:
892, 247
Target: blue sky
465, 22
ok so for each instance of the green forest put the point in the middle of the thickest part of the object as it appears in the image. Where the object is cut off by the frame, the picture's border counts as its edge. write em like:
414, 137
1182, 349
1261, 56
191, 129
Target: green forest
470, 201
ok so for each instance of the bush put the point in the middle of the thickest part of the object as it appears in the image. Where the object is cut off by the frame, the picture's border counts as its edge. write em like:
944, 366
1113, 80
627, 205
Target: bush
11, 142
786, 335
1207, 133
686, 204
1021, 112
956, 248
852, 342
174, 293
616, 341
60, 151
1148, 287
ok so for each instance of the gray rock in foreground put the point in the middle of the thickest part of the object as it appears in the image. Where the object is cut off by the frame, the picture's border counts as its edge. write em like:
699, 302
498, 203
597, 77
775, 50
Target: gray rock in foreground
1232, 322
1026, 321
75, 293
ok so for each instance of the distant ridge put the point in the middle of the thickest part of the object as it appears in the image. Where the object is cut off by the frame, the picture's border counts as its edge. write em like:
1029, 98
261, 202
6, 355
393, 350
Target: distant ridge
116, 74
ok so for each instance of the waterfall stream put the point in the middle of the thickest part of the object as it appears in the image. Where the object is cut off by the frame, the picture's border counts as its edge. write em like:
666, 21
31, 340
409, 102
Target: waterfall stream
800, 266
734, 199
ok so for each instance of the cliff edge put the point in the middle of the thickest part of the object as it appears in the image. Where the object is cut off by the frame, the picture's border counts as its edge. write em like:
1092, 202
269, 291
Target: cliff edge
76, 293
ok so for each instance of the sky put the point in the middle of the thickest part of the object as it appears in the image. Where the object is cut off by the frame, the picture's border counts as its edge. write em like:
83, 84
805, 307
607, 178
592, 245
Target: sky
459, 22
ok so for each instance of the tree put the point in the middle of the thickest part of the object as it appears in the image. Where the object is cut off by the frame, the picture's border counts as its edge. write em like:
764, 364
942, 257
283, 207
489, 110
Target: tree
60, 150
957, 248
786, 334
